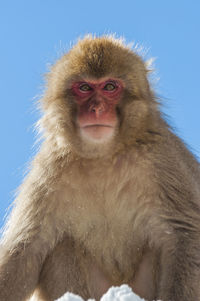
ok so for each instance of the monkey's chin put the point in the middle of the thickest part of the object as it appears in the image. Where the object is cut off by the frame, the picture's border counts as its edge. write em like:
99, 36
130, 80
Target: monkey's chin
97, 133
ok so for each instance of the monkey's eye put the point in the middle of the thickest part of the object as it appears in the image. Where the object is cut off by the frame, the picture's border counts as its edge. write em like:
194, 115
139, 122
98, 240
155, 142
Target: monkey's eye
85, 87
110, 87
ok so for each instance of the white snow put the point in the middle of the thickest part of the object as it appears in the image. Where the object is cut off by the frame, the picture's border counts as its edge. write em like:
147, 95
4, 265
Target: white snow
122, 293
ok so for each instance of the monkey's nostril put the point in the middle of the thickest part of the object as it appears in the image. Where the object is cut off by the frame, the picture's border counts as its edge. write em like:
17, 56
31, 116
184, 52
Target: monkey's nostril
96, 110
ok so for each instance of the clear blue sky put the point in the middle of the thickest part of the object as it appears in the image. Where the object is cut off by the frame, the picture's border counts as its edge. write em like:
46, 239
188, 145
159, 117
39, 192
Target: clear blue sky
34, 32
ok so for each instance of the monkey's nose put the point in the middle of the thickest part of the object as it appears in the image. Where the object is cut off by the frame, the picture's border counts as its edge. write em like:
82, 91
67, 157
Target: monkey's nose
97, 109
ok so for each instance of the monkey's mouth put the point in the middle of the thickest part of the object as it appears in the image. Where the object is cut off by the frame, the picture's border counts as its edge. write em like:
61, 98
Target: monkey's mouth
97, 125
97, 132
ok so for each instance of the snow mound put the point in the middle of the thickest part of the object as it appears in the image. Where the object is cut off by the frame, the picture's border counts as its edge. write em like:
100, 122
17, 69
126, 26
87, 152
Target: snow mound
122, 293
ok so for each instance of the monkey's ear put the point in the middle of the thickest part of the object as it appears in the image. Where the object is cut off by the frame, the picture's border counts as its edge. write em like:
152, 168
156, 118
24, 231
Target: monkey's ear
149, 65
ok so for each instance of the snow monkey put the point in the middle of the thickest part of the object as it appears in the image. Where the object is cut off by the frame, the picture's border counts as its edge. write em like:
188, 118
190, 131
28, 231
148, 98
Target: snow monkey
113, 195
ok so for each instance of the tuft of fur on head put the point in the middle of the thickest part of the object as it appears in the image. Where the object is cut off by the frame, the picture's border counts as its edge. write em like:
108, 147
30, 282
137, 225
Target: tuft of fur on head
93, 58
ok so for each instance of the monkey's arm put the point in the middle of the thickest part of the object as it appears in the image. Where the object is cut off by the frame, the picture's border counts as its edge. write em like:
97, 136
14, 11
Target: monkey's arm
179, 269
31, 232
180, 257
19, 272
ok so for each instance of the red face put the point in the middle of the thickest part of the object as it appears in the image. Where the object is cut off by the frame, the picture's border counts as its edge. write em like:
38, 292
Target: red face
97, 102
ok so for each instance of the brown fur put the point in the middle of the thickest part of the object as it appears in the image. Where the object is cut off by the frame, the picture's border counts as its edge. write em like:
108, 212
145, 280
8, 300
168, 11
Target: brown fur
89, 216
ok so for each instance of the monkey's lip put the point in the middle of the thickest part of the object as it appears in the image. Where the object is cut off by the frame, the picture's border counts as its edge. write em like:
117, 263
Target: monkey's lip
97, 132
97, 125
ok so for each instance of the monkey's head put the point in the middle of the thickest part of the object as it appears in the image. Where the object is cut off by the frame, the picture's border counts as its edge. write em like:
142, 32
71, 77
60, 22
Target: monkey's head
98, 98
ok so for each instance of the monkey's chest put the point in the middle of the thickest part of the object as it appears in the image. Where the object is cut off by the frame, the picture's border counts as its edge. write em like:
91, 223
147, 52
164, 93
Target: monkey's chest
106, 217
111, 253
108, 239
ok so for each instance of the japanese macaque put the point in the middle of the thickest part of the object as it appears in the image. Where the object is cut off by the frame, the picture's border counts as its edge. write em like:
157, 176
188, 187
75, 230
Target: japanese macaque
113, 195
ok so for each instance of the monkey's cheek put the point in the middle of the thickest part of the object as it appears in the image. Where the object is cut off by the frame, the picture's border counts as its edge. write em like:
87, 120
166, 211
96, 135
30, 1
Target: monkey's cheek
97, 133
